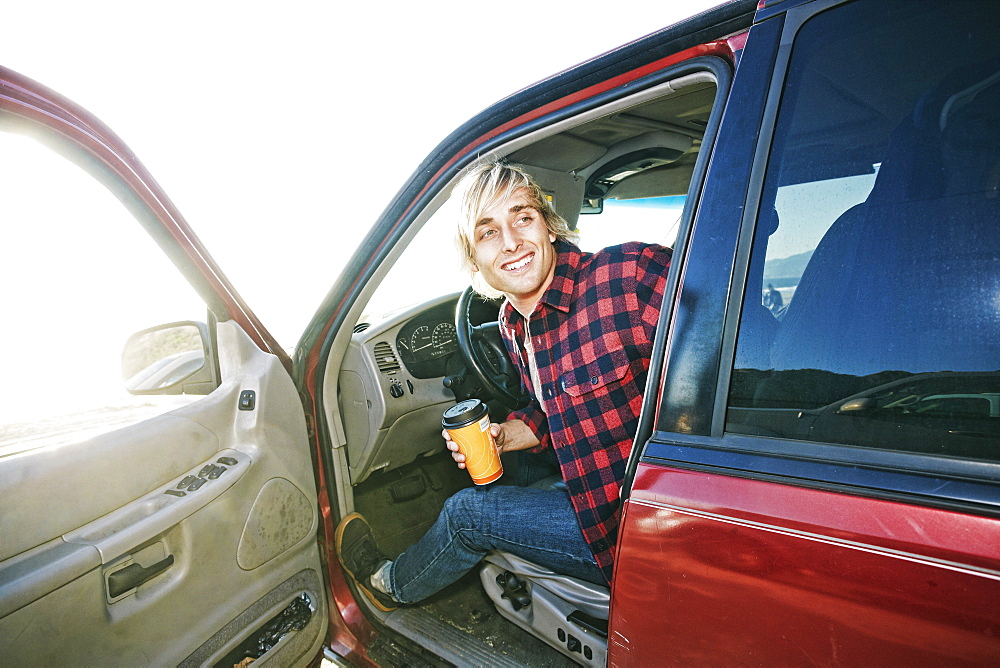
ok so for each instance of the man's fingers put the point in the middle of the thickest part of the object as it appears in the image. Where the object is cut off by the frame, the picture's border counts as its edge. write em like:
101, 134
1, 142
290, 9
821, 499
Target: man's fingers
453, 447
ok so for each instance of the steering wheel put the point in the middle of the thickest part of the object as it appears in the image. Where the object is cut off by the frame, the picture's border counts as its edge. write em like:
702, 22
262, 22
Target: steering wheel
485, 355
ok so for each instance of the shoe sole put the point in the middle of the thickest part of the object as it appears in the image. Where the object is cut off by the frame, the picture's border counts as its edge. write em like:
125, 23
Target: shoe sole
338, 542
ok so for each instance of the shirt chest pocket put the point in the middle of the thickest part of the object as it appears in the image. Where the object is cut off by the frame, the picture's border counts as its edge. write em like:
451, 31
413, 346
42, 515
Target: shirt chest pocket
606, 369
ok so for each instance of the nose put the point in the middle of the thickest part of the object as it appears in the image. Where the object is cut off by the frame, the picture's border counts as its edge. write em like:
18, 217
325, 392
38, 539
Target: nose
510, 239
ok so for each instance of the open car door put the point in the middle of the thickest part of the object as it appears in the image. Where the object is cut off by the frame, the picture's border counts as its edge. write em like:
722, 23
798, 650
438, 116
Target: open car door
188, 537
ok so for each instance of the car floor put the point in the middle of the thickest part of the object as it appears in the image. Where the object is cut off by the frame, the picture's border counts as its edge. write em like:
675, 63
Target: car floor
401, 505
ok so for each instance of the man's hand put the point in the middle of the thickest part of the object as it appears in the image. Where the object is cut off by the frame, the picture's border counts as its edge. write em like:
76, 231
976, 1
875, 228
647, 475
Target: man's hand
509, 436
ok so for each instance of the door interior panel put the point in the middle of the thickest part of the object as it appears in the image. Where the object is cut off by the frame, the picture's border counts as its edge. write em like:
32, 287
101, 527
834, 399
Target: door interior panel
155, 574
89, 479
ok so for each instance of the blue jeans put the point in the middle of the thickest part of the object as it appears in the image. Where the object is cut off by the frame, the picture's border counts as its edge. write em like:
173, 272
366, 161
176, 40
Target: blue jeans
536, 524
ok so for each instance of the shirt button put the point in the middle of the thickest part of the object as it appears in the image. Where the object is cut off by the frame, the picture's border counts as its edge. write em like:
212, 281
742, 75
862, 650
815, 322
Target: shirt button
593, 380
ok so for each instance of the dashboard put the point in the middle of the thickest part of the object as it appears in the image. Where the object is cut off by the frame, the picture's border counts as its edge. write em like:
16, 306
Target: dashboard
425, 342
389, 383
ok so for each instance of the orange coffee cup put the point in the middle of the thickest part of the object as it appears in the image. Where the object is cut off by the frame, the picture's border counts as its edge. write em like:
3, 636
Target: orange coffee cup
468, 424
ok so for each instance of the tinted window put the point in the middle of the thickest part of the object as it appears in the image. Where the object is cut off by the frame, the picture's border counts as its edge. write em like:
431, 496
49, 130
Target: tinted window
872, 315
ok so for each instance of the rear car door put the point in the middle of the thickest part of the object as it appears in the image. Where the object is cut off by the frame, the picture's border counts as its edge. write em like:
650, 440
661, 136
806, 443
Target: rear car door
822, 483
152, 529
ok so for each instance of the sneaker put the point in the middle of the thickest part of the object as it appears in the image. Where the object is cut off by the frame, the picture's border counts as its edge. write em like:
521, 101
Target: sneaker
361, 557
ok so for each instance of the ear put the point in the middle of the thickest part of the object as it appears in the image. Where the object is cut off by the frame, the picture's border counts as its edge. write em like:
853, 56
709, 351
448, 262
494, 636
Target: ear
552, 238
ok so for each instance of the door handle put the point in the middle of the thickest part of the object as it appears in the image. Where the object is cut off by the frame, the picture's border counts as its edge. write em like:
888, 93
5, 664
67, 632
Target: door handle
134, 575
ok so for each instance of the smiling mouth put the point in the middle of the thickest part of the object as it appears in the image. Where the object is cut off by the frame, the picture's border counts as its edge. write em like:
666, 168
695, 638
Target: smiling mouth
520, 264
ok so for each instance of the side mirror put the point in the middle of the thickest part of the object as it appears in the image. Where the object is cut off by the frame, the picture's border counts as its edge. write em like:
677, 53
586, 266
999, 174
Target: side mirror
857, 405
176, 358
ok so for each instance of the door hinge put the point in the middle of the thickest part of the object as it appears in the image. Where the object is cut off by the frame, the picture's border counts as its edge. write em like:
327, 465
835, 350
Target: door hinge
310, 426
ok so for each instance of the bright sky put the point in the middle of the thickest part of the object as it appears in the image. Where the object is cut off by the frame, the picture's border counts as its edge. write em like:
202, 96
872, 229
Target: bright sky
281, 130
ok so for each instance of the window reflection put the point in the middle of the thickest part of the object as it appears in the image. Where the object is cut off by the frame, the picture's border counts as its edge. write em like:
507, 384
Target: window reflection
871, 312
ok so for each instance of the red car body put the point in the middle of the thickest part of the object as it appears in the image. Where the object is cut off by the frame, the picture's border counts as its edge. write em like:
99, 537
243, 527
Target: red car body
804, 576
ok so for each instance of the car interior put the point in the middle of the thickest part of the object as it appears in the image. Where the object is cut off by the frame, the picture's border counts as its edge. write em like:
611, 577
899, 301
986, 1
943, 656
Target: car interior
396, 373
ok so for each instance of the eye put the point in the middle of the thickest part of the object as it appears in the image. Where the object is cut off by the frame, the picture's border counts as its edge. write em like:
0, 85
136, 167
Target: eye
487, 234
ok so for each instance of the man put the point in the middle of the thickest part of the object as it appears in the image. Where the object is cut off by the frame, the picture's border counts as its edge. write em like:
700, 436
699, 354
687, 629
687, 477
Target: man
579, 326
772, 299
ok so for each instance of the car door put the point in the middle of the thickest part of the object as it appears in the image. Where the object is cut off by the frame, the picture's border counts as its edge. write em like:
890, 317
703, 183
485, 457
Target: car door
145, 530
823, 482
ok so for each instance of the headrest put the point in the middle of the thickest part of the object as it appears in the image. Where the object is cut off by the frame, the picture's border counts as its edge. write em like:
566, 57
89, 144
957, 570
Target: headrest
956, 117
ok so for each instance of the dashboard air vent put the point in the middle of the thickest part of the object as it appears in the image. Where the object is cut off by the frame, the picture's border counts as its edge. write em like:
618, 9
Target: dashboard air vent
361, 326
385, 358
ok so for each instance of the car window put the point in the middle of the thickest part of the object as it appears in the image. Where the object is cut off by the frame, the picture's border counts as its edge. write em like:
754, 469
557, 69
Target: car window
428, 267
80, 276
650, 219
872, 312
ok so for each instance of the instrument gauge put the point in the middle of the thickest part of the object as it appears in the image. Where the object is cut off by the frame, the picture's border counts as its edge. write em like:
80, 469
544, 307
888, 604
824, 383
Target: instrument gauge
420, 340
444, 338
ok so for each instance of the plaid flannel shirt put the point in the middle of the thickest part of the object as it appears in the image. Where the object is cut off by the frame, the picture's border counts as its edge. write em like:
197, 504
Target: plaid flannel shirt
592, 333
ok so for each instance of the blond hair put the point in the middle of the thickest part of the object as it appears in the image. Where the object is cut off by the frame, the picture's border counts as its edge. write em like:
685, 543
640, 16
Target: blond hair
483, 187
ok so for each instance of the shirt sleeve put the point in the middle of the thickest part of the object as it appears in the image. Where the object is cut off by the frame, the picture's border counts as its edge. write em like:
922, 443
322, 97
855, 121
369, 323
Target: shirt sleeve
535, 418
651, 281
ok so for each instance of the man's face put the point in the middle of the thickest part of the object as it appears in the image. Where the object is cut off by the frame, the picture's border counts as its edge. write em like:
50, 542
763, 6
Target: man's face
513, 249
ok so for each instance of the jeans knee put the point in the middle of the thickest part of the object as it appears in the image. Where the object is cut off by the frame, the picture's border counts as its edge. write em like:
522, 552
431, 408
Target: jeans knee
465, 512
463, 508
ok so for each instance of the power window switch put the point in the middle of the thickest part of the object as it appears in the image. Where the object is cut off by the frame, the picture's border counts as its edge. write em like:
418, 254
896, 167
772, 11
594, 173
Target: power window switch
248, 400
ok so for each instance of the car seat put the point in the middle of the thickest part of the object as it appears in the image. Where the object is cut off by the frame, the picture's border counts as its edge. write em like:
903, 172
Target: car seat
566, 613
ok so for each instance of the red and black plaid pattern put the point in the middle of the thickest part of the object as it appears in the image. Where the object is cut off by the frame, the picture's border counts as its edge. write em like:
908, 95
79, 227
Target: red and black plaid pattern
592, 333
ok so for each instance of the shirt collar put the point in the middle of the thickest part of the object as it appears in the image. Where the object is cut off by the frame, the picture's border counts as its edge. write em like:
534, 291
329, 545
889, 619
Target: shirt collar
559, 294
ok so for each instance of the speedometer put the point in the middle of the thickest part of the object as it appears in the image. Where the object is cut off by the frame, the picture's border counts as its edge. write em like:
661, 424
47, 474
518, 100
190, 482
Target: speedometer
443, 338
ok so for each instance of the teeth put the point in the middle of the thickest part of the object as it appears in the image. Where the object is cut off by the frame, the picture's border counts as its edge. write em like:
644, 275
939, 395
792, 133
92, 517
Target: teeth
517, 265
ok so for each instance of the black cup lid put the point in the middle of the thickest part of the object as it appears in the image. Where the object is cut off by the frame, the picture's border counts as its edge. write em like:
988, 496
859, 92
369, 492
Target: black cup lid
464, 412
